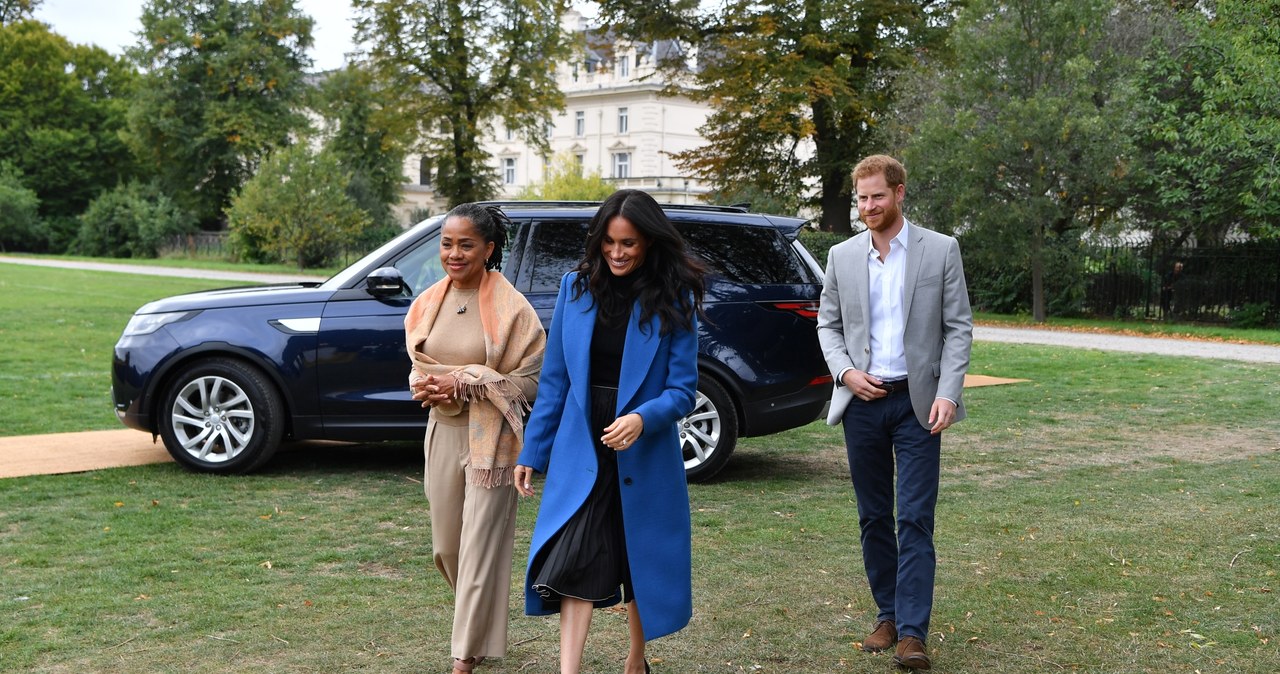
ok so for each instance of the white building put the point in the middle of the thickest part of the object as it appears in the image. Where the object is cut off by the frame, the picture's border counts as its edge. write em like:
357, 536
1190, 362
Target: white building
615, 121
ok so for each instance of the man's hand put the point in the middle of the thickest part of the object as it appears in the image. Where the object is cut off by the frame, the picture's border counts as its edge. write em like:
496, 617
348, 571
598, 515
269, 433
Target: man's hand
941, 415
863, 385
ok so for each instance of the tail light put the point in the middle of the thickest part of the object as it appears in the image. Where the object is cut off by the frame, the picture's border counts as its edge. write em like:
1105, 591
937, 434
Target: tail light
806, 309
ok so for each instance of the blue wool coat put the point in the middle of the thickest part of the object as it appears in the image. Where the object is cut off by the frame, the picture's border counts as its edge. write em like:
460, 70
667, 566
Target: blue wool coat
658, 380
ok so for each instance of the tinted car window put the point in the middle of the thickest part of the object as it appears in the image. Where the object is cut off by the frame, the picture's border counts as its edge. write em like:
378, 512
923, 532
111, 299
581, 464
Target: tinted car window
756, 255
420, 265
560, 246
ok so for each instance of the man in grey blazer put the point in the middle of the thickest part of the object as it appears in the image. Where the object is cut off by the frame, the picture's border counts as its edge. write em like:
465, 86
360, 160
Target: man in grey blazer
895, 328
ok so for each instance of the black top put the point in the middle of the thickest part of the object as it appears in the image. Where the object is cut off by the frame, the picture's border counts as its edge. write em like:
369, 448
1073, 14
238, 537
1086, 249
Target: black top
610, 335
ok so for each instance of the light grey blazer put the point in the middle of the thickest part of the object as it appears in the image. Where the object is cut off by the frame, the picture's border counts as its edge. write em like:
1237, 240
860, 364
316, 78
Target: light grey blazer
938, 329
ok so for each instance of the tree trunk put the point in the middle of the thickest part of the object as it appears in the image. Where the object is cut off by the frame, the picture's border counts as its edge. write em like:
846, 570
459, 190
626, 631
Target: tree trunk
1037, 274
837, 203
836, 200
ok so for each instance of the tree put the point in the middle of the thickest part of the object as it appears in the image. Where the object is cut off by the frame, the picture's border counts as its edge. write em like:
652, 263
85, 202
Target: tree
1208, 130
459, 66
1020, 145
62, 108
368, 137
296, 209
12, 11
223, 89
565, 181
783, 77
19, 212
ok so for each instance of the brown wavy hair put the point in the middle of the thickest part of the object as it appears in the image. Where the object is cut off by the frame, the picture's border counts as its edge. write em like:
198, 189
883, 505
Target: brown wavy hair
670, 282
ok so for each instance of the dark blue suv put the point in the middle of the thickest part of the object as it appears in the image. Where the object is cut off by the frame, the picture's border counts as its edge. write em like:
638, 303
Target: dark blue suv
224, 376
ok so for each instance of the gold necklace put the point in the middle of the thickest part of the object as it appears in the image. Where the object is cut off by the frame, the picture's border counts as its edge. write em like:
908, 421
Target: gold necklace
462, 308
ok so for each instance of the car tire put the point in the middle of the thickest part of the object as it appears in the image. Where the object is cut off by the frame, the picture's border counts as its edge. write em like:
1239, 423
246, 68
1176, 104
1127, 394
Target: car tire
221, 416
709, 433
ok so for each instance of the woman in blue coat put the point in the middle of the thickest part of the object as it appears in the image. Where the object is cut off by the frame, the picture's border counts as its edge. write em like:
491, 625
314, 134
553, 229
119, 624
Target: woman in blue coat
619, 372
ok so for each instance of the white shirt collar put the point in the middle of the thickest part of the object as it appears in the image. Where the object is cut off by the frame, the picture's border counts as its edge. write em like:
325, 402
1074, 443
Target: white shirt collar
900, 238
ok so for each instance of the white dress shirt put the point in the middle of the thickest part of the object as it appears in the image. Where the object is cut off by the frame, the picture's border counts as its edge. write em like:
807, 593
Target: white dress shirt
885, 286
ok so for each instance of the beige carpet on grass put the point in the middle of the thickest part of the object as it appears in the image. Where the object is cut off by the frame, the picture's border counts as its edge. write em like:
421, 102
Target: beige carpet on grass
93, 450
76, 452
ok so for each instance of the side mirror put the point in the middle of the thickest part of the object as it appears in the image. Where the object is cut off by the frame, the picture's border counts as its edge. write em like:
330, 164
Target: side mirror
385, 282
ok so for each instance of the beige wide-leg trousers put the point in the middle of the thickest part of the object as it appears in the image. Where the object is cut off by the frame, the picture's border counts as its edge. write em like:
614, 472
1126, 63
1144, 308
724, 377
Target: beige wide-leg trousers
472, 535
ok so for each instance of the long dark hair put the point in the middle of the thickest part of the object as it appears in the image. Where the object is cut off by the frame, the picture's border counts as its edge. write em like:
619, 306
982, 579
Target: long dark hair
490, 223
669, 283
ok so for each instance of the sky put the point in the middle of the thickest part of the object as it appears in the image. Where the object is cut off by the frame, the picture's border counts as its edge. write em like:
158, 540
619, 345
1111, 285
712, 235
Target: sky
113, 25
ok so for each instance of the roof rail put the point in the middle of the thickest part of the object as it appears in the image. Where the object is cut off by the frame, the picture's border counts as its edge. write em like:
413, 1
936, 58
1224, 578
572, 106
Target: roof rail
734, 208
539, 204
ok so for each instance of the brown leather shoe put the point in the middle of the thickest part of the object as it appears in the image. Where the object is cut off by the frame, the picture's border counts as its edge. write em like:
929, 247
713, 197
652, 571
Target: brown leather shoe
883, 636
911, 654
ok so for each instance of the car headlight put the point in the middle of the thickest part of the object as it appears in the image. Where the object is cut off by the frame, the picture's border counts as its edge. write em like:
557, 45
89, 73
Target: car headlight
145, 324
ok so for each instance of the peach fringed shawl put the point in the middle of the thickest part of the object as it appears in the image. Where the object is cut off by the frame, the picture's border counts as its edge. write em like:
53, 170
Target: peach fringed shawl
513, 345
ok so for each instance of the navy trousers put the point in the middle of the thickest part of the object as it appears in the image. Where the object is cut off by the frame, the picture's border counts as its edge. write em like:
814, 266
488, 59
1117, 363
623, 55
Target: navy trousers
900, 560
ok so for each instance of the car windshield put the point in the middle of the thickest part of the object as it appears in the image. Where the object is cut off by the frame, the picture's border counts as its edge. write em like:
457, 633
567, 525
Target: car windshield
345, 277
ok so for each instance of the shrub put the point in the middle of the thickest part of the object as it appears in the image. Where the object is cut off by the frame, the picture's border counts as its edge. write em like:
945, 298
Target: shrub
565, 181
1252, 315
820, 243
19, 212
417, 214
133, 220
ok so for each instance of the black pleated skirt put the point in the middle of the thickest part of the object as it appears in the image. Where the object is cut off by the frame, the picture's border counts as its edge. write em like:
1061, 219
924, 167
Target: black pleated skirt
587, 558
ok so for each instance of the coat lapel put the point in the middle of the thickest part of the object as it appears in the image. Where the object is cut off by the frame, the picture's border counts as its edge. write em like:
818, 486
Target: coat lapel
862, 275
915, 259
580, 320
637, 356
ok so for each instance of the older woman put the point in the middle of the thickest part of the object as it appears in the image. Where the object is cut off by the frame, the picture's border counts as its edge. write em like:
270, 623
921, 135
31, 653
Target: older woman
476, 347
621, 370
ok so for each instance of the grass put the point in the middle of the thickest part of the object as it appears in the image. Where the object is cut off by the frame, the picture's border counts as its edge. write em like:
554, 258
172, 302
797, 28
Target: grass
1144, 328
58, 332
1113, 514
198, 262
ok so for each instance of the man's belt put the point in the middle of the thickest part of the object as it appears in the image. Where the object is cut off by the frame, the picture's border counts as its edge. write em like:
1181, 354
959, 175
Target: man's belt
899, 386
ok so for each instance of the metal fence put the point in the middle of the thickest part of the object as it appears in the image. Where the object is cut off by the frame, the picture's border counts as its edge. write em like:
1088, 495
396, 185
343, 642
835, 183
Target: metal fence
1236, 282
197, 244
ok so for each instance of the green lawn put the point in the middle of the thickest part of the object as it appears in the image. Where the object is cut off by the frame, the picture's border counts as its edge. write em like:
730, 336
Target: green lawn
1115, 513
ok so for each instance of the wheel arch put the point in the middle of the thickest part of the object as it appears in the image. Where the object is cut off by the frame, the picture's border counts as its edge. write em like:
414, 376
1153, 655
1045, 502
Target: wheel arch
161, 380
727, 381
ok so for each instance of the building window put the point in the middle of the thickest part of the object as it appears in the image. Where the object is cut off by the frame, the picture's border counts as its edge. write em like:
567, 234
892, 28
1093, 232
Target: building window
579, 159
580, 124
511, 134
622, 164
623, 123
424, 171
550, 130
509, 171
624, 66
575, 71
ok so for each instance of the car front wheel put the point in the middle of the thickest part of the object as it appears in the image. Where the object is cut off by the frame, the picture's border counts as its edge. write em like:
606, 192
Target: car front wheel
709, 433
221, 416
